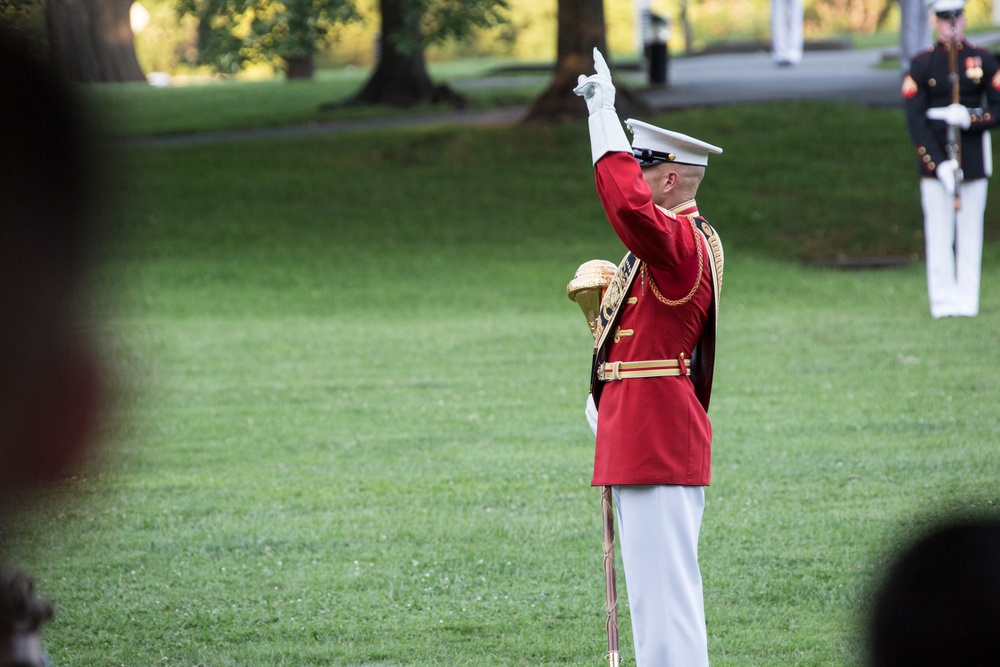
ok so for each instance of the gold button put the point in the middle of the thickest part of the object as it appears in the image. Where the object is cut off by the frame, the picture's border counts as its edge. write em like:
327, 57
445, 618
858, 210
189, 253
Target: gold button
932, 82
927, 158
921, 150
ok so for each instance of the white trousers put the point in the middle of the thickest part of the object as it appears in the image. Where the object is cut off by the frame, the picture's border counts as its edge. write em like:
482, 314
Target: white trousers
786, 31
658, 530
954, 247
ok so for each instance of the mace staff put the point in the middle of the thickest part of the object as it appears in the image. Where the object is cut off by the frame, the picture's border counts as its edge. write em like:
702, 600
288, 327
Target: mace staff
610, 579
587, 290
954, 147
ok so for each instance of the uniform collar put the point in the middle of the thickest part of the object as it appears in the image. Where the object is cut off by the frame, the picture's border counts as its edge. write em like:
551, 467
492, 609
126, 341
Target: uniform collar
690, 207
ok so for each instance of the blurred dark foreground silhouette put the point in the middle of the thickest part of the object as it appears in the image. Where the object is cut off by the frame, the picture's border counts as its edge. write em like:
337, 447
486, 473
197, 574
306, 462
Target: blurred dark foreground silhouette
52, 383
940, 601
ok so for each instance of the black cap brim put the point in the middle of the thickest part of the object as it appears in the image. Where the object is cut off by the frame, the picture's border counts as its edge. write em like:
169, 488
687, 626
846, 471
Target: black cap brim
648, 158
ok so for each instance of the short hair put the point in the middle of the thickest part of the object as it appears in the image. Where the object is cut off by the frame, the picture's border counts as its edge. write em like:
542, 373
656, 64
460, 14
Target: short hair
940, 602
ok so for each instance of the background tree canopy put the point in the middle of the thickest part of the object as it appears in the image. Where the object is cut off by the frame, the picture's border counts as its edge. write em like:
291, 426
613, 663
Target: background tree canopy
289, 33
234, 33
266, 35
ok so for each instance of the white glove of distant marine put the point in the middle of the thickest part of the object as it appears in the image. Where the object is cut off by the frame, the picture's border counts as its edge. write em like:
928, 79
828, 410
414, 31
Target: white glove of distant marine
953, 114
606, 133
592, 413
945, 173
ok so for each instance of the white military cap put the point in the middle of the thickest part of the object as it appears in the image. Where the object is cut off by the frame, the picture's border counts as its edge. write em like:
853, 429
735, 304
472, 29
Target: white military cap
945, 8
653, 145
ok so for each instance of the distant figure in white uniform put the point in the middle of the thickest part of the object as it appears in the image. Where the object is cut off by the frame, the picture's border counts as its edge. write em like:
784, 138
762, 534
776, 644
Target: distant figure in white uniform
786, 32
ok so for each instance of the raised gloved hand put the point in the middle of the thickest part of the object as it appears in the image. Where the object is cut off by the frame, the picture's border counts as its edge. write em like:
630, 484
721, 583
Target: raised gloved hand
946, 173
606, 132
953, 114
591, 413
597, 88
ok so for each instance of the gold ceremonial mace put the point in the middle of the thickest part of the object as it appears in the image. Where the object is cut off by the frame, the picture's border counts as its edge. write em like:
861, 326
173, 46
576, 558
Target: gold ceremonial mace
954, 137
587, 290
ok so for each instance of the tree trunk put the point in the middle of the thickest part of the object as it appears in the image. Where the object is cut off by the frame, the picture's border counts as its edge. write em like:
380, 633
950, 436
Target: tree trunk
92, 41
686, 28
581, 30
300, 67
400, 79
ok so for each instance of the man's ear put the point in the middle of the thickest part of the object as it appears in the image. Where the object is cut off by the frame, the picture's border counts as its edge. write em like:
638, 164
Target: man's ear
670, 181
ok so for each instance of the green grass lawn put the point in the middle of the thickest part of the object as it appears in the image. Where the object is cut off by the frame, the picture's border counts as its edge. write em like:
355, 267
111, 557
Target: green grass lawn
352, 429
133, 110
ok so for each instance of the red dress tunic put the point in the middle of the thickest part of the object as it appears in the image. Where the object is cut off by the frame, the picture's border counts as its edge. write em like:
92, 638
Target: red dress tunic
653, 430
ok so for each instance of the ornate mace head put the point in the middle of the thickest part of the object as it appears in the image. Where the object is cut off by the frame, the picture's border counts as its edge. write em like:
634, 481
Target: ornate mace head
588, 286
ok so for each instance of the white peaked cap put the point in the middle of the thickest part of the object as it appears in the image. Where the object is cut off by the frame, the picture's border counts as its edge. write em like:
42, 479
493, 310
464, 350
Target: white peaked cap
684, 149
945, 6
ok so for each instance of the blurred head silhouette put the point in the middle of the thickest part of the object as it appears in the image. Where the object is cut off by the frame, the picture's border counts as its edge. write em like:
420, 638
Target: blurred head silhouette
940, 602
51, 387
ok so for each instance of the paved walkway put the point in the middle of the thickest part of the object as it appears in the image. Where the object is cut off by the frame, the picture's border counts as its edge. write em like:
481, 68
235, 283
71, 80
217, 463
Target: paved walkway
854, 75
850, 75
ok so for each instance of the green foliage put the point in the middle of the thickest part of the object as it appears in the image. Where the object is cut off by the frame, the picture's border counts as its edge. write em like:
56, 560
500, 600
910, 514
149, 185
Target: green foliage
25, 19
352, 387
715, 21
234, 34
237, 33
444, 20
526, 29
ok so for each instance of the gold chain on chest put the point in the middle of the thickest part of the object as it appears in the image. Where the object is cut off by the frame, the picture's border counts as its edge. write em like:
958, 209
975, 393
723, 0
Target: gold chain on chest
647, 275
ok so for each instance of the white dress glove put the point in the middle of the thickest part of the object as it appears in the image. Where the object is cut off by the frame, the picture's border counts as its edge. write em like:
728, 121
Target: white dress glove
591, 413
945, 173
597, 89
606, 132
953, 114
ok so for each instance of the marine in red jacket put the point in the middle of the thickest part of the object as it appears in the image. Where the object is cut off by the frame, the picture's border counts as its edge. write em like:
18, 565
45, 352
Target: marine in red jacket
652, 375
653, 428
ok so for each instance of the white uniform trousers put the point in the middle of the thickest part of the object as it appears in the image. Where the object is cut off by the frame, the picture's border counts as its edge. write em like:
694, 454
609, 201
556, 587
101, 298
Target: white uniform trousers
786, 31
954, 251
658, 530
